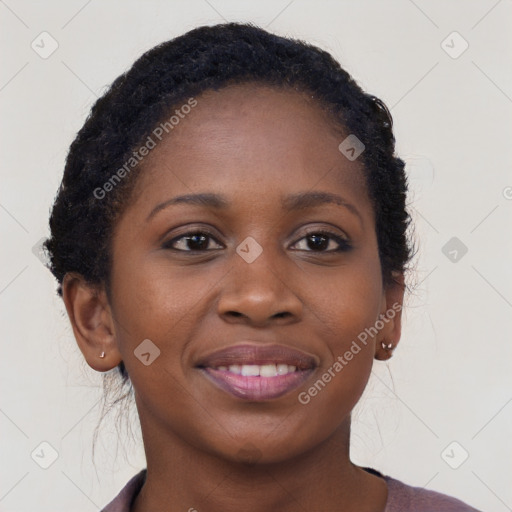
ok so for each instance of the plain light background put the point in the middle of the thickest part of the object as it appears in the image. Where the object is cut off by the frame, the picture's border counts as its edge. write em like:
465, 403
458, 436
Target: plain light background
450, 378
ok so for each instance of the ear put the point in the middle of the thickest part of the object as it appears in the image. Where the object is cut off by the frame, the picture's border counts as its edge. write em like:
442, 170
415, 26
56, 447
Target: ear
91, 318
391, 317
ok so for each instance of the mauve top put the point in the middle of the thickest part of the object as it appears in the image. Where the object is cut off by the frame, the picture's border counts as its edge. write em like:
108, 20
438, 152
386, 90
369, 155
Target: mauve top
401, 497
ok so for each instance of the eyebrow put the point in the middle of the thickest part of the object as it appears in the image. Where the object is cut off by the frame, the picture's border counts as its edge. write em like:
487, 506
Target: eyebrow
292, 202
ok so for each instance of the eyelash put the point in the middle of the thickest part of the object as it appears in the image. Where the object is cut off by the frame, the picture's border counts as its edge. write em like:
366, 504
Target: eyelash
344, 244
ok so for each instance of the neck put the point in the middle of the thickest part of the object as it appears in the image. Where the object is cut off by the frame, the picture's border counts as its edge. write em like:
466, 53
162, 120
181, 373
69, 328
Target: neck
181, 477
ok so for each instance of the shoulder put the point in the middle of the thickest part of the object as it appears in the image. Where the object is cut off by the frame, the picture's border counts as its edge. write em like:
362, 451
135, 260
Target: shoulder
123, 501
403, 497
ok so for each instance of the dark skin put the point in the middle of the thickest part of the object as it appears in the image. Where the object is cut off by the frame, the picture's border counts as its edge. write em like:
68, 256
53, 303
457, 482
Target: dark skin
205, 448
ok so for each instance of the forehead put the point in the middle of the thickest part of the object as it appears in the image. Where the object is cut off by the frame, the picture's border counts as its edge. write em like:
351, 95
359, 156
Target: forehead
250, 139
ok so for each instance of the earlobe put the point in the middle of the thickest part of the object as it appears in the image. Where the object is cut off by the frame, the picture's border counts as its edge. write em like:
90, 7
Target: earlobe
391, 318
91, 319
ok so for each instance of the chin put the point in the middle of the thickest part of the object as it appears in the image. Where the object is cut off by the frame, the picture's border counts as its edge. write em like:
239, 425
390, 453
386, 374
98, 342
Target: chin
257, 450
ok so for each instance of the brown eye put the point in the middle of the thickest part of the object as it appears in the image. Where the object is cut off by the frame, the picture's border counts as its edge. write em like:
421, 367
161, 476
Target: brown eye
320, 241
194, 241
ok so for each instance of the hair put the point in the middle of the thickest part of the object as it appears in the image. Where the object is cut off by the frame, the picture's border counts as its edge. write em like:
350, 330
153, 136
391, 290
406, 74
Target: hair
212, 57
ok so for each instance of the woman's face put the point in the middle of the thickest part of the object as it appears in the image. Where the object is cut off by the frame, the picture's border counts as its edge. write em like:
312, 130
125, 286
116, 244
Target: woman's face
240, 285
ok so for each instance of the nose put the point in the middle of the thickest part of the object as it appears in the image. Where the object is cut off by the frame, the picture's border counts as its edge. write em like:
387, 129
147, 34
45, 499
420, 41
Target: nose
258, 294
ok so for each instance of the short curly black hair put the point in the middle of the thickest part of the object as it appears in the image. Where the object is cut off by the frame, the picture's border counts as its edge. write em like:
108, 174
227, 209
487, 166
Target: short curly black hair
212, 57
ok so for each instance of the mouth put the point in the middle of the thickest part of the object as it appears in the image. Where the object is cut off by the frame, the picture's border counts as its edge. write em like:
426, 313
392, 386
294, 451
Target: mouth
258, 372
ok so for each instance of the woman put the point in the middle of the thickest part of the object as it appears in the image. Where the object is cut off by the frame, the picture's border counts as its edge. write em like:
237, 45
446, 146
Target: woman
231, 234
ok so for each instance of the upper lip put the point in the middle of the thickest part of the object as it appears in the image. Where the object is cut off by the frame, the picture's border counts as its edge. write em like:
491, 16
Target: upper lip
247, 354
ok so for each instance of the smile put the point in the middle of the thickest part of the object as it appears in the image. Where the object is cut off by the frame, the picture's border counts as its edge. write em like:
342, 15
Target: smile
255, 370
258, 372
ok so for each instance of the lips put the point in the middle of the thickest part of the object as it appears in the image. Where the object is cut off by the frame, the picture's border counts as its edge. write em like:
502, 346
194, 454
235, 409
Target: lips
257, 372
249, 354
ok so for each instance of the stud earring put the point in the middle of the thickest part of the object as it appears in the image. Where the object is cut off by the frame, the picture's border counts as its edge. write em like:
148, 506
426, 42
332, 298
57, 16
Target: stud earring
102, 355
387, 346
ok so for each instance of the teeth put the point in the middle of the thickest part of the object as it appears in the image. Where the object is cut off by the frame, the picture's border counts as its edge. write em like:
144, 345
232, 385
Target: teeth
255, 370
282, 369
268, 370
250, 370
235, 368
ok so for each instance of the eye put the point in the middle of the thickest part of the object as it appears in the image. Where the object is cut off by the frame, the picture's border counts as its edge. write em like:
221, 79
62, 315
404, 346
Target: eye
193, 241
315, 241
319, 241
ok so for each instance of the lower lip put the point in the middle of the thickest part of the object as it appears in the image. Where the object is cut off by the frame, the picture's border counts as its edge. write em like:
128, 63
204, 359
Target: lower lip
256, 388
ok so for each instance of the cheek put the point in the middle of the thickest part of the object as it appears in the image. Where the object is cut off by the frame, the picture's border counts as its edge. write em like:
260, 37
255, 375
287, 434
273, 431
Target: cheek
349, 301
348, 361
347, 306
156, 301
